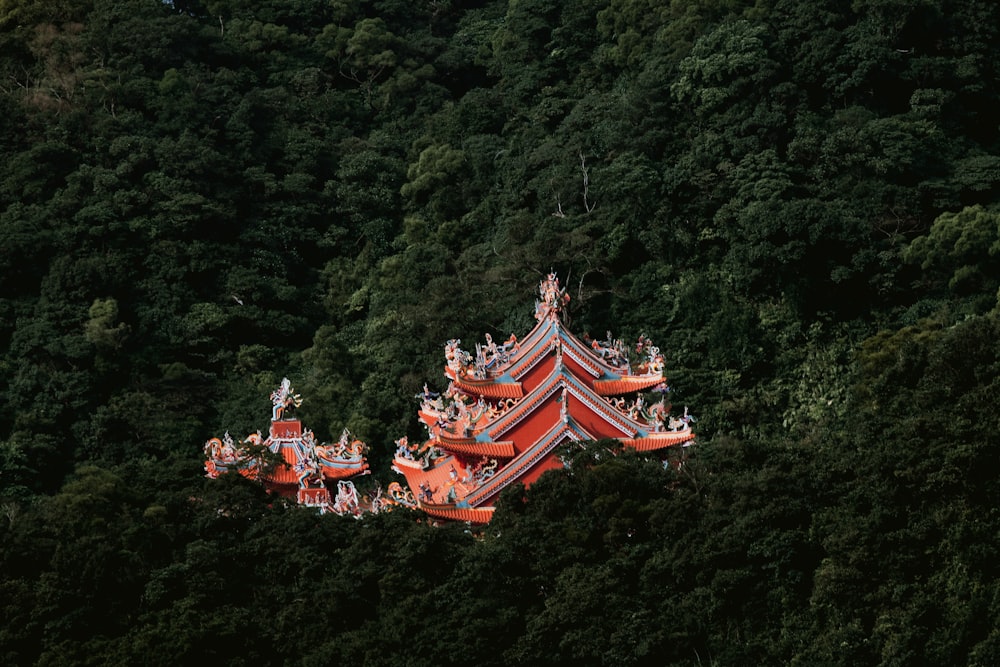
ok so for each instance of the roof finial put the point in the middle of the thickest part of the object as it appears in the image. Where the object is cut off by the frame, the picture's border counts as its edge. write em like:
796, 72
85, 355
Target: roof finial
554, 298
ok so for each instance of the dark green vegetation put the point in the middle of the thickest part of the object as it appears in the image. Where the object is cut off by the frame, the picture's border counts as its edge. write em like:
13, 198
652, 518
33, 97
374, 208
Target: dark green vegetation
795, 200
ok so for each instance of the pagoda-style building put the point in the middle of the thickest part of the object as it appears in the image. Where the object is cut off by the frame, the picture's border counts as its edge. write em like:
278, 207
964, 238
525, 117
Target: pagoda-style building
509, 407
291, 462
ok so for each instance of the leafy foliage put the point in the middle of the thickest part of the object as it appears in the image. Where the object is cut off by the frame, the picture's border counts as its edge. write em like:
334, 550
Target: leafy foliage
796, 201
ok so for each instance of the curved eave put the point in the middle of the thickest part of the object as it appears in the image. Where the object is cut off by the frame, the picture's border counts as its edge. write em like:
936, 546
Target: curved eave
454, 513
343, 472
285, 473
659, 440
504, 449
598, 365
404, 464
487, 388
525, 348
627, 384
428, 417
221, 466
355, 462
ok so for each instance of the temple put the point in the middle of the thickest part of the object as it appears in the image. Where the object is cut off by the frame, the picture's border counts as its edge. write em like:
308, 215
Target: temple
291, 462
510, 406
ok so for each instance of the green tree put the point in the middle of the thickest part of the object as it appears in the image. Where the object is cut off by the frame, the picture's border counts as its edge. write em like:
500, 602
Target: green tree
960, 252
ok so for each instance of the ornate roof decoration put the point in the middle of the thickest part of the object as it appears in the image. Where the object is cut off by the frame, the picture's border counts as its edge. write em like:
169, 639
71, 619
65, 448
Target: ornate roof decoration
507, 410
290, 461
553, 299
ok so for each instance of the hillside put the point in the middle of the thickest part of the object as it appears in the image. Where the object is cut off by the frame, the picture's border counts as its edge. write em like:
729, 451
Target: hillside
797, 201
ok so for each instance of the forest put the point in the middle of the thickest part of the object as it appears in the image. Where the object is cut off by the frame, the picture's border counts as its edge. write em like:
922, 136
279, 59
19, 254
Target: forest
798, 201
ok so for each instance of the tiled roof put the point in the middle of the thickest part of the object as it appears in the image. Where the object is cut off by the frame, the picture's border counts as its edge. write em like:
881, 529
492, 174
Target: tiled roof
581, 354
453, 513
438, 478
476, 447
659, 440
578, 390
528, 361
407, 463
344, 472
489, 388
564, 389
627, 385
524, 461
284, 473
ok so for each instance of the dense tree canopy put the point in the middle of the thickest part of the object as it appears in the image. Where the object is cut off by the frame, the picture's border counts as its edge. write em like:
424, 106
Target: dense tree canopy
797, 201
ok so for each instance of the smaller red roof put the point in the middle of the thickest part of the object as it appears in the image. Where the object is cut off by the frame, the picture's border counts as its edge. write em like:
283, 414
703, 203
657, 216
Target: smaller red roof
503, 448
659, 440
284, 473
627, 384
453, 513
344, 472
287, 429
488, 388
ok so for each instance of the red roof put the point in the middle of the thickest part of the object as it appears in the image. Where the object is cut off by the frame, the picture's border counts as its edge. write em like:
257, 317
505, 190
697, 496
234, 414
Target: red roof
345, 472
286, 429
659, 440
283, 473
298, 456
564, 392
453, 513
489, 388
502, 448
438, 478
627, 385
